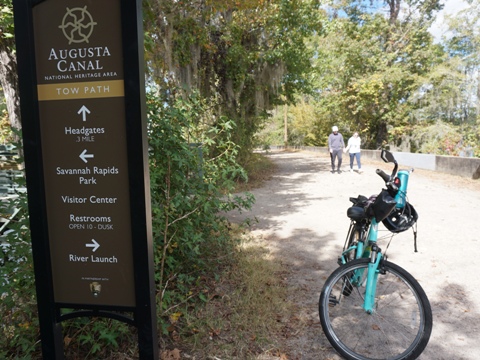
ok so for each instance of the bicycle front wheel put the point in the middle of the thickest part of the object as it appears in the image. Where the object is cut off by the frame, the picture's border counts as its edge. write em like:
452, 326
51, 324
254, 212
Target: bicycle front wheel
399, 326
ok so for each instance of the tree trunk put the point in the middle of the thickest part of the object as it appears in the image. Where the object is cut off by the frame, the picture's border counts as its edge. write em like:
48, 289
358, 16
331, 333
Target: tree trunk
382, 134
285, 124
394, 6
478, 98
9, 83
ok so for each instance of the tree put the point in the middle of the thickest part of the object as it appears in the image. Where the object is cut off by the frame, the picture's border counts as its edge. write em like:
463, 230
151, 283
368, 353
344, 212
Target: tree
8, 66
464, 45
371, 65
250, 55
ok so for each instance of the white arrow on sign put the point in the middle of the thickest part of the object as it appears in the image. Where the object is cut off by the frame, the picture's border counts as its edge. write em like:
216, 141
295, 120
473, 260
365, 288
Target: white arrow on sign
84, 111
84, 156
94, 246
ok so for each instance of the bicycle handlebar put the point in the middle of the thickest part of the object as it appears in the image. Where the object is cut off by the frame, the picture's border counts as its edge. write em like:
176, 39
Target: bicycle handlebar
383, 175
389, 179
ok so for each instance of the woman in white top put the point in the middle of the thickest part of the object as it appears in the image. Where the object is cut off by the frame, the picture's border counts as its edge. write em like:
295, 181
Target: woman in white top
353, 148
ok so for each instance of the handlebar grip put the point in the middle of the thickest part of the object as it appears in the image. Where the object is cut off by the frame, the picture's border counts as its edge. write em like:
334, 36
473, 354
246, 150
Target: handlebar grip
383, 175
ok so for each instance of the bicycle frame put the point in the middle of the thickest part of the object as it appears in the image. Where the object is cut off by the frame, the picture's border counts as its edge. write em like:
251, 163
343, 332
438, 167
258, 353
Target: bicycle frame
366, 247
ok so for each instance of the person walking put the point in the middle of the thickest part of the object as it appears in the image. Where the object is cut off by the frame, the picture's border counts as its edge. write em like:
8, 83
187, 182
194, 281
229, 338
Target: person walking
353, 147
336, 145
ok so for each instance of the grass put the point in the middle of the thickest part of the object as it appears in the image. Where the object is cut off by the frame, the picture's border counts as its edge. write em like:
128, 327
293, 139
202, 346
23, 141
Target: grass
242, 318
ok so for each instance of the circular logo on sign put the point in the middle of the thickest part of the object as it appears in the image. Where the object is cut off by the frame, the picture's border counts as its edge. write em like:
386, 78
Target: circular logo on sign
77, 25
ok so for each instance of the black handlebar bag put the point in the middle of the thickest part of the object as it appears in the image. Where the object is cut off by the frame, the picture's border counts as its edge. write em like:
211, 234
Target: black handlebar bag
383, 205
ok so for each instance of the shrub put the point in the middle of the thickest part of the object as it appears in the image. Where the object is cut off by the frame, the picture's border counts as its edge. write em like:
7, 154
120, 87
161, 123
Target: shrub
18, 307
193, 170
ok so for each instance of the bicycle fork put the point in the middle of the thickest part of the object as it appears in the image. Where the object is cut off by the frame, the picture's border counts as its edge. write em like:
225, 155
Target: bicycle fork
372, 278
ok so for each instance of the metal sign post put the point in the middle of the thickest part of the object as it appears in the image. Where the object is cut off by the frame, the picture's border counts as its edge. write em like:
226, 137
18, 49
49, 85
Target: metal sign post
84, 130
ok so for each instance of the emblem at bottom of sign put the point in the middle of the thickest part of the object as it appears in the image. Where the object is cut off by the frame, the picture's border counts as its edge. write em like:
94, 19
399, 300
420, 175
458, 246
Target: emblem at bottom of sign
95, 289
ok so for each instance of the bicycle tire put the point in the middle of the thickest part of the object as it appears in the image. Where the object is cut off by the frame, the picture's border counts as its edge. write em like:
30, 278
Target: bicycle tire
387, 333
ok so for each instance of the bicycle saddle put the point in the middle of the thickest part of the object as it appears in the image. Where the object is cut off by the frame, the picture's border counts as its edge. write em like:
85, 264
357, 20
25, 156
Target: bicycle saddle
356, 213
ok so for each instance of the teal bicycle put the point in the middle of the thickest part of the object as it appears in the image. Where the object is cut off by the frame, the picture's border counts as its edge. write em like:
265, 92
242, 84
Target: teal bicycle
369, 307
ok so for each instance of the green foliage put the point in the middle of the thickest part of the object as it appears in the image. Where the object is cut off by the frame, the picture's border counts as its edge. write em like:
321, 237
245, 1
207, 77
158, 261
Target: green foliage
97, 338
18, 308
251, 55
440, 138
370, 68
376, 72
300, 131
6, 20
193, 169
6, 135
272, 133
383, 76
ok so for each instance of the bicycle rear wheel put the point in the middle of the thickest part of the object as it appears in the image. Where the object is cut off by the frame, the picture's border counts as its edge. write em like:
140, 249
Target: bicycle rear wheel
399, 327
354, 238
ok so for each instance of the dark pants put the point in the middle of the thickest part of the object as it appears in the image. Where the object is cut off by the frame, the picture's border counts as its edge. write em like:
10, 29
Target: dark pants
356, 156
336, 154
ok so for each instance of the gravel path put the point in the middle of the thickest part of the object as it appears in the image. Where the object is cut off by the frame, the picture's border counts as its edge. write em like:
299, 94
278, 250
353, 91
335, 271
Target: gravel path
302, 218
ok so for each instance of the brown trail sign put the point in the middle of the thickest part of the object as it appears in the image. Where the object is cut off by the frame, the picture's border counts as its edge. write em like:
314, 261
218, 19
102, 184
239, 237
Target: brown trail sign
84, 130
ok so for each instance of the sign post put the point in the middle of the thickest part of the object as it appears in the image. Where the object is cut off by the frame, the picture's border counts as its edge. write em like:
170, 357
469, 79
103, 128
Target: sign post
84, 129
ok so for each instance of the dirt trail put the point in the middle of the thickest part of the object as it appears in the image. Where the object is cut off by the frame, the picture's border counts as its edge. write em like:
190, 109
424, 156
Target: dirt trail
302, 218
